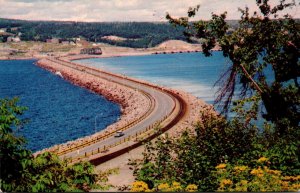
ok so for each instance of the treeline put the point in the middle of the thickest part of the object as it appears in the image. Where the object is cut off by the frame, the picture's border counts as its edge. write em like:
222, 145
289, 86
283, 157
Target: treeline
138, 34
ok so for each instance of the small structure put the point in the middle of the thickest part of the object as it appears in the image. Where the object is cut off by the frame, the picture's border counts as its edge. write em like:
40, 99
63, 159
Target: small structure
92, 51
13, 39
3, 30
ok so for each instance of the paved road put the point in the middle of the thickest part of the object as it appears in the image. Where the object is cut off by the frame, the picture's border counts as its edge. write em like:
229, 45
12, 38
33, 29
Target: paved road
164, 104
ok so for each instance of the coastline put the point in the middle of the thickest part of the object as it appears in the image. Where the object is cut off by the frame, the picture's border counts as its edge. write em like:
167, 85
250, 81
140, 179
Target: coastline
131, 107
129, 100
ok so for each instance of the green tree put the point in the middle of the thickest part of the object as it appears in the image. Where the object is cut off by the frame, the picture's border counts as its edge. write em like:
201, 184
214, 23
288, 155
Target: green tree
261, 41
22, 172
258, 43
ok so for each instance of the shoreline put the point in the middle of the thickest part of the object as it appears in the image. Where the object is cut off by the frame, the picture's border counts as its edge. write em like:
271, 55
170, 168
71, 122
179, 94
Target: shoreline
129, 108
128, 99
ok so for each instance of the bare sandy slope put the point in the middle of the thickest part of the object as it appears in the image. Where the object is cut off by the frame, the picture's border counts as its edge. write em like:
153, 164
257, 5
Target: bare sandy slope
177, 45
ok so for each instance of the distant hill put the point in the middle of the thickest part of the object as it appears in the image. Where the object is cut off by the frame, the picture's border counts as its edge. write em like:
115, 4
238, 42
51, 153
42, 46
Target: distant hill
133, 34
128, 34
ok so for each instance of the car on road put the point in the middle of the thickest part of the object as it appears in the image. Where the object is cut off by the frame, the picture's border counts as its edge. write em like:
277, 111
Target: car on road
119, 134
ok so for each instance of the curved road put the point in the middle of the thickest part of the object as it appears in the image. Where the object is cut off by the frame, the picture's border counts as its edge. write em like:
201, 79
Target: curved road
164, 105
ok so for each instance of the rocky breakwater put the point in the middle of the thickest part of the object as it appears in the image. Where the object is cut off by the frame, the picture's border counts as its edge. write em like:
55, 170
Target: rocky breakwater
133, 104
194, 107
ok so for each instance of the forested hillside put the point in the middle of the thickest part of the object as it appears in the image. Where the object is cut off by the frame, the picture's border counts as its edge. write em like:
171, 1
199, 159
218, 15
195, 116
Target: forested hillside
135, 34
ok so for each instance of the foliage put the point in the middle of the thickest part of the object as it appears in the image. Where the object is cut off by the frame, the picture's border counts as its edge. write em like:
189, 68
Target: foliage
257, 46
192, 158
261, 43
140, 186
138, 34
258, 178
22, 172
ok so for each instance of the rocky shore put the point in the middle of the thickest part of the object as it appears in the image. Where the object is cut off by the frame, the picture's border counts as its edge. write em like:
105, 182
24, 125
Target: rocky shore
133, 104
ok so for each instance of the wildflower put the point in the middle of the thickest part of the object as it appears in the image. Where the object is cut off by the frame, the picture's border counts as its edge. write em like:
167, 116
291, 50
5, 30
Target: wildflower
257, 172
274, 172
240, 168
284, 185
262, 159
139, 186
291, 178
191, 188
296, 186
176, 186
163, 186
221, 166
226, 182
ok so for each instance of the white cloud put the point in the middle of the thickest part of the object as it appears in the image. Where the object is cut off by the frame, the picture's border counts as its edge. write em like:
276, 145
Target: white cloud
120, 10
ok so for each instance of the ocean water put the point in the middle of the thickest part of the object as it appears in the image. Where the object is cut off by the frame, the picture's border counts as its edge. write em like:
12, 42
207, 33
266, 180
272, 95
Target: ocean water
191, 72
57, 110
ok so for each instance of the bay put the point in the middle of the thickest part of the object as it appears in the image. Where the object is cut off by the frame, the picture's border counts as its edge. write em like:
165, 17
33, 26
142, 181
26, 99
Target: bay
57, 110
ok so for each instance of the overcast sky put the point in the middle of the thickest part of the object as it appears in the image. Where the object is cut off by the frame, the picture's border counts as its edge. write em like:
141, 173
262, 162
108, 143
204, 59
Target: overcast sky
121, 10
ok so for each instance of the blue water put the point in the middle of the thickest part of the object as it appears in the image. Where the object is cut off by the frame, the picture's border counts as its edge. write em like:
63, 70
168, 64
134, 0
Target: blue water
191, 72
58, 111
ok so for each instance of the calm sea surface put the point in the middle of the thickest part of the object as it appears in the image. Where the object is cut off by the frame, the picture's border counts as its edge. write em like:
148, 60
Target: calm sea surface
58, 111
191, 72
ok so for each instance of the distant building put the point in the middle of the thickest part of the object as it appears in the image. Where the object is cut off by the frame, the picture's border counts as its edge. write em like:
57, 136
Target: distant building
3, 30
93, 51
13, 39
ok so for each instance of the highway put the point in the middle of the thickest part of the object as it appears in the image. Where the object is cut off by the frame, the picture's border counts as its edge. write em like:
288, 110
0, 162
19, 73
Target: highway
162, 105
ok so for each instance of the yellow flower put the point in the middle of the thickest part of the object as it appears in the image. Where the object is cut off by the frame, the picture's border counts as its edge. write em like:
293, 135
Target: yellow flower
284, 185
163, 186
139, 186
225, 182
221, 166
176, 186
257, 172
274, 172
291, 178
240, 168
262, 159
191, 188
296, 186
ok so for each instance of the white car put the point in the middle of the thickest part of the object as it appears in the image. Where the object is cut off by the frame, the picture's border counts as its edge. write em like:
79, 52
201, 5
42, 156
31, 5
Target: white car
119, 134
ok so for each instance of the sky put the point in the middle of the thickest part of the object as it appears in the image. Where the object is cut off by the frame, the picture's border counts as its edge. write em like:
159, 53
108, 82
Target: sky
123, 10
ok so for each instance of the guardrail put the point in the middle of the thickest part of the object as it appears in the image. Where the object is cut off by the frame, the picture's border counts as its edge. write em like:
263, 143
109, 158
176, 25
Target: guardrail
137, 135
101, 159
100, 138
